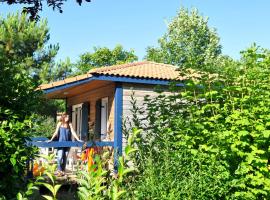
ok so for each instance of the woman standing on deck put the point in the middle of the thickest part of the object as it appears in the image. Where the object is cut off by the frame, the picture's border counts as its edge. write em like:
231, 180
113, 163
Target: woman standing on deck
64, 130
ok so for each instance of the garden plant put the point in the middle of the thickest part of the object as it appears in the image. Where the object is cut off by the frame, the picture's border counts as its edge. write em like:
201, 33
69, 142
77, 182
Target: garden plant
210, 138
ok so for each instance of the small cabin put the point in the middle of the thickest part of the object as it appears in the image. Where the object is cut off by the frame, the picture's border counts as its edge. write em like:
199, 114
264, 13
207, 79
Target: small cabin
99, 102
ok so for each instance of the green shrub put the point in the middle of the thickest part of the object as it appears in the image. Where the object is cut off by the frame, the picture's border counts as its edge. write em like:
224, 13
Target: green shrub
180, 175
98, 182
170, 169
224, 119
14, 154
44, 126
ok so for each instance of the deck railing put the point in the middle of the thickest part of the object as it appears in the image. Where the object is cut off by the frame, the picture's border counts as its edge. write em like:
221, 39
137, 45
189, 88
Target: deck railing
42, 142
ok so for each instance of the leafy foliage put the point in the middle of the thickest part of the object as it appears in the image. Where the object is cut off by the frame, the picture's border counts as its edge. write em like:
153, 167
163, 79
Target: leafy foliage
45, 126
30, 189
14, 154
103, 56
99, 183
189, 42
179, 175
59, 71
168, 167
50, 168
36, 5
25, 63
22, 57
213, 118
92, 182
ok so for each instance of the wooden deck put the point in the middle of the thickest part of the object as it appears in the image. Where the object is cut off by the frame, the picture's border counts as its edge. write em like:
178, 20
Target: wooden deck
68, 178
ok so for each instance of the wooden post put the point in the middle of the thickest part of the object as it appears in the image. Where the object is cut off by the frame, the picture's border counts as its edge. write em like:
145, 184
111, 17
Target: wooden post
118, 112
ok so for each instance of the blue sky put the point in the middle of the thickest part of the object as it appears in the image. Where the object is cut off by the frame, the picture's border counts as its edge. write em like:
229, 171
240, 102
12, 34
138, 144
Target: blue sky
138, 24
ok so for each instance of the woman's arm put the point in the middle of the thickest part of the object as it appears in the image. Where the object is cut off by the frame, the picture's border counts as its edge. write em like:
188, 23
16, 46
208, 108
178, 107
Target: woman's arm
56, 131
74, 133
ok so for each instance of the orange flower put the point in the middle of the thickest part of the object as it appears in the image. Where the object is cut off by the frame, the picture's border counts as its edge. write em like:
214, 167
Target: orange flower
38, 170
83, 157
90, 158
35, 166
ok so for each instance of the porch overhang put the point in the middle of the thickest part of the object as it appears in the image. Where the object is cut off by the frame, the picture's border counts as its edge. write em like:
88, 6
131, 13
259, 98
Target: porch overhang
73, 88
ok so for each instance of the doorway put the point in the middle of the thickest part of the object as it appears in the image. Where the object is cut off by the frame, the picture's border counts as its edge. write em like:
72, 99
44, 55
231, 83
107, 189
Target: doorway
104, 118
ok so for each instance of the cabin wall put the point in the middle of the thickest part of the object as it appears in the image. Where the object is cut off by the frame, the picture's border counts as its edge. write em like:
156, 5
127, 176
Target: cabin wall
92, 96
139, 91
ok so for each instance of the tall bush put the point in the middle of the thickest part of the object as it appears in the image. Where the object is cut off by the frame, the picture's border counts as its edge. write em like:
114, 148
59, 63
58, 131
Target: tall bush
23, 57
224, 119
14, 154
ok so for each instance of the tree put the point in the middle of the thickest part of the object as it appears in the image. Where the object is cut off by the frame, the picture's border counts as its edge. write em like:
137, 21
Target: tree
36, 5
57, 71
189, 42
103, 56
23, 56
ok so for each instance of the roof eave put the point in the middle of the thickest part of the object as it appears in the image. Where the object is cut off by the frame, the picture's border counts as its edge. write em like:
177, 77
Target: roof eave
101, 77
141, 80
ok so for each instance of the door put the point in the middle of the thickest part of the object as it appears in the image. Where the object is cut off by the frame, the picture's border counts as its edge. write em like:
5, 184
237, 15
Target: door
77, 119
104, 118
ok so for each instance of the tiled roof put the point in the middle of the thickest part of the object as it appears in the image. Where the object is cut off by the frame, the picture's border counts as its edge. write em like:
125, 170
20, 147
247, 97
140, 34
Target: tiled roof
65, 81
144, 69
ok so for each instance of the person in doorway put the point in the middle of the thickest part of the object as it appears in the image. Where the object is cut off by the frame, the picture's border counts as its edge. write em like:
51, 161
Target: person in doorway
64, 130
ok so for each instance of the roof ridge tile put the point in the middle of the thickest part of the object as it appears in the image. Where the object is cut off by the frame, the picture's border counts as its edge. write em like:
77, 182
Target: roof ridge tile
116, 66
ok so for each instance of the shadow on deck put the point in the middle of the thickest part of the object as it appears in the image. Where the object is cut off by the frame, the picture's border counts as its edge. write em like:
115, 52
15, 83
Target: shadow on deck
69, 178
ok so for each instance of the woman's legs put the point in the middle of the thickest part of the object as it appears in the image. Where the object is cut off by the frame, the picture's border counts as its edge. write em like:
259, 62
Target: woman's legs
60, 155
65, 155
